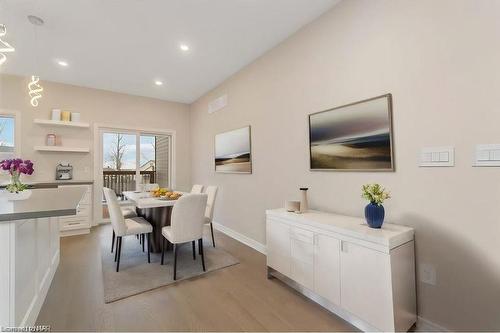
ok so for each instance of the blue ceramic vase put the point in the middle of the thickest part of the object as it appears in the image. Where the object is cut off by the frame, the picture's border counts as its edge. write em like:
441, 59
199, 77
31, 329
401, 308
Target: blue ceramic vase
374, 215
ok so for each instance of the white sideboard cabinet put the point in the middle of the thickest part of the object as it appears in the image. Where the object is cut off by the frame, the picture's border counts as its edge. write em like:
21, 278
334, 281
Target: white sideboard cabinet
364, 275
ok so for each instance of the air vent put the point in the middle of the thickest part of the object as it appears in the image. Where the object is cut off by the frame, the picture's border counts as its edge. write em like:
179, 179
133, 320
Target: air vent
217, 104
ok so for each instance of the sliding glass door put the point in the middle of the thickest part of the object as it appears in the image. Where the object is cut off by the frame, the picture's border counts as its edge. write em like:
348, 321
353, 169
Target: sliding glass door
119, 161
131, 158
155, 159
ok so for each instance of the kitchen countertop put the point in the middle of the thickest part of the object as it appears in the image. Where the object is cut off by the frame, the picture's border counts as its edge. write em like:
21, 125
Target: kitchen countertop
53, 183
47, 202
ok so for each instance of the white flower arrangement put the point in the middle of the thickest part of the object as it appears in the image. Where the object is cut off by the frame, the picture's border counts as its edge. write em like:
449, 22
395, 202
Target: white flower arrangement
375, 193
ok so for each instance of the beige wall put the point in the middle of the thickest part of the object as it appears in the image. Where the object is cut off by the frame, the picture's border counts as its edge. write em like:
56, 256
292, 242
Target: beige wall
96, 107
440, 60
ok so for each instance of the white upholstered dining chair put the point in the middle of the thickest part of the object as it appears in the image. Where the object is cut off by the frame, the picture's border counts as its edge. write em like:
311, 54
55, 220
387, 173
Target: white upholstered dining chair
186, 226
197, 189
124, 226
128, 212
211, 192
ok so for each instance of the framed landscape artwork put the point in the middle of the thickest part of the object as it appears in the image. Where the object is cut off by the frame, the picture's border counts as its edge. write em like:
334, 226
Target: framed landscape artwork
233, 151
353, 137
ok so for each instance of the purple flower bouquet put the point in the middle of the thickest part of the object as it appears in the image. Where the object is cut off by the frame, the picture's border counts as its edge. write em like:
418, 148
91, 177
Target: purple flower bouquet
16, 167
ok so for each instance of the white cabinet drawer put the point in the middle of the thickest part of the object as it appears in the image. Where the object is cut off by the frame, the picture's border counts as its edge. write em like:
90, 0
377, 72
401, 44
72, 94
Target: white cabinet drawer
74, 218
302, 251
73, 225
302, 235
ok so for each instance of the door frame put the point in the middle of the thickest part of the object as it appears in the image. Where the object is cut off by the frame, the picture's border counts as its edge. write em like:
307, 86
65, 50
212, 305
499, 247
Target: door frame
98, 160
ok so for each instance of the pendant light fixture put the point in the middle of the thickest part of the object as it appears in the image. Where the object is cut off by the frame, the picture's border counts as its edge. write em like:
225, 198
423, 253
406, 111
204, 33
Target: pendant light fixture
35, 90
4, 46
34, 87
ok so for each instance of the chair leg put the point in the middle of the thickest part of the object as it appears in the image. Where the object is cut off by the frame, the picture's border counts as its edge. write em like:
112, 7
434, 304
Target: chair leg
175, 262
116, 248
163, 245
113, 242
200, 244
142, 237
194, 250
119, 252
149, 248
212, 231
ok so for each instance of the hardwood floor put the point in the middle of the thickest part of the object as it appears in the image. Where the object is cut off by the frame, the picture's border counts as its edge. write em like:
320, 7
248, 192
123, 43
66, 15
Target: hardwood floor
237, 298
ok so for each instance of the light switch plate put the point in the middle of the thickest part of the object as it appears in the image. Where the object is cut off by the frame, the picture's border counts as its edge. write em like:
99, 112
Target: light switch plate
487, 155
437, 157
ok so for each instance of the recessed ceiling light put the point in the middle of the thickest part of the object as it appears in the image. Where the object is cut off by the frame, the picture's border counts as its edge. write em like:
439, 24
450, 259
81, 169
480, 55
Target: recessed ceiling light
158, 83
184, 47
62, 63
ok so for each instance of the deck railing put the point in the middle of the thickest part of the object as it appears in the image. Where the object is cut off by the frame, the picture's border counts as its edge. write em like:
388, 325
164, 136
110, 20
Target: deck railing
125, 180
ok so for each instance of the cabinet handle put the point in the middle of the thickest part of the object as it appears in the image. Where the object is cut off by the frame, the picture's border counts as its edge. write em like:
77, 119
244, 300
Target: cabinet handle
343, 246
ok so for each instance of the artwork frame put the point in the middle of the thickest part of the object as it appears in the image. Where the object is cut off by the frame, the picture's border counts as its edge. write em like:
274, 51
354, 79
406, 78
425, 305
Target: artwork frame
388, 149
223, 149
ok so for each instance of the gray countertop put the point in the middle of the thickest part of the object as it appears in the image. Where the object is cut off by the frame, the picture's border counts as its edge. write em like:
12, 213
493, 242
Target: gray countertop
47, 202
53, 183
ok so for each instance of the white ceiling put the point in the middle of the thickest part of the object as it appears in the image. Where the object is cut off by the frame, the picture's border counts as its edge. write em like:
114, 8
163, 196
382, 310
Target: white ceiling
125, 45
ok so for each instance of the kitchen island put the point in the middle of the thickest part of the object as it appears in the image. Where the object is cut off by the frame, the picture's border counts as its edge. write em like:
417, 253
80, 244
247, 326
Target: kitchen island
29, 250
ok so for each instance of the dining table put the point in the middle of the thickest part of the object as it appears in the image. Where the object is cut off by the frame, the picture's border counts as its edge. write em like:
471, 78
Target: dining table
156, 211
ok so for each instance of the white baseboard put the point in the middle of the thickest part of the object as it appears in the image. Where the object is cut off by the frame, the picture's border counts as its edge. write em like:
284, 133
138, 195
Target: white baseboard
31, 315
424, 325
241, 238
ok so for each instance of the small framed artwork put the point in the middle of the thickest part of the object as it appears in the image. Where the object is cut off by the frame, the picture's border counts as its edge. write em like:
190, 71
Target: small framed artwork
353, 137
233, 151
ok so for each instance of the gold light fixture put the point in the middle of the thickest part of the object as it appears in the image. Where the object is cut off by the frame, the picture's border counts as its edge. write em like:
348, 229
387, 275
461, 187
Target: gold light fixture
4, 46
34, 87
35, 90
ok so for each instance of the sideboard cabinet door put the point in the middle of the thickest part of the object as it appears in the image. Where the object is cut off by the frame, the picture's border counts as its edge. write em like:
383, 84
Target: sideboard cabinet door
327, 268
366, 285
278, 246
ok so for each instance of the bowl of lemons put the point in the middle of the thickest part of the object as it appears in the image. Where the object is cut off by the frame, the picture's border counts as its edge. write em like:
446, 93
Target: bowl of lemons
166, 194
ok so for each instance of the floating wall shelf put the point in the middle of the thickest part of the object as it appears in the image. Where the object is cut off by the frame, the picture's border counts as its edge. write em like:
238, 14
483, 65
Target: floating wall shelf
62, 149
47, 122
